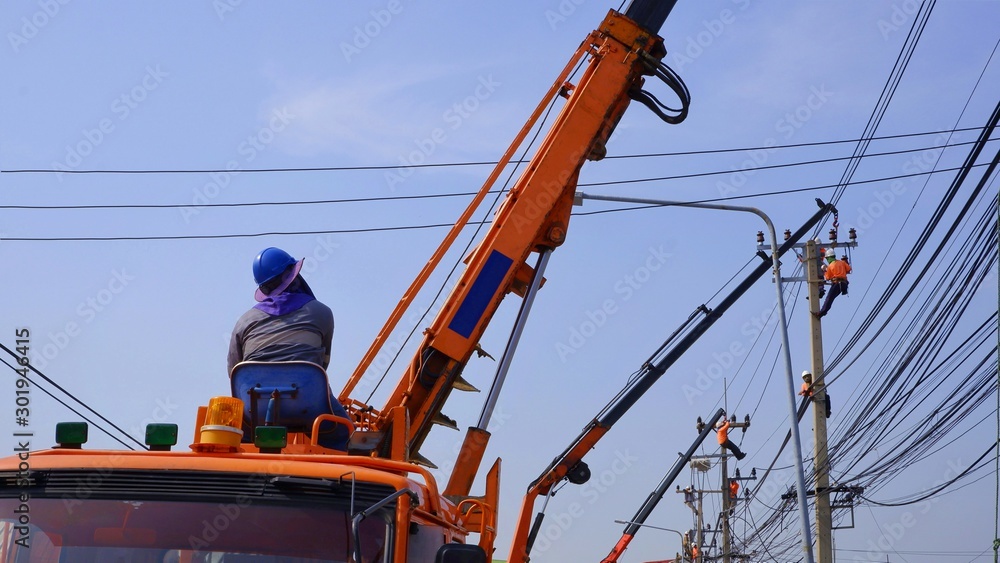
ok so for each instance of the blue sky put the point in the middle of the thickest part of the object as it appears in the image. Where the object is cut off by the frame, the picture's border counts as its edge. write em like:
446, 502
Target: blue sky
138, 328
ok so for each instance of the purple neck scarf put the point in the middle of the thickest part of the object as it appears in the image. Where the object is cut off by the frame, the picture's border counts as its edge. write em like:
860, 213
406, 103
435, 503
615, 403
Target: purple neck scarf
284, 303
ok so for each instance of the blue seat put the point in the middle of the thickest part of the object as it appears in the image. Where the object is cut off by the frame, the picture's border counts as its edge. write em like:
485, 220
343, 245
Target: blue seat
303, 393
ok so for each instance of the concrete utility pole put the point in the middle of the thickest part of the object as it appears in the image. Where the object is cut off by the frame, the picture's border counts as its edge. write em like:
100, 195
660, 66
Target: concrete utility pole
824, 518
702, 464
726, 543
701, 526
821, 461
726, 539
696, 507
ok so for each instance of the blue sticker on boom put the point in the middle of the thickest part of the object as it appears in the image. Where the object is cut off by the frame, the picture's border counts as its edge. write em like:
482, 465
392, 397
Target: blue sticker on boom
481, 293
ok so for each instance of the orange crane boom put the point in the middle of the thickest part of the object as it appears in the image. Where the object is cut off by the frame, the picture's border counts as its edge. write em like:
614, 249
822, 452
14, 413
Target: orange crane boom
534, 217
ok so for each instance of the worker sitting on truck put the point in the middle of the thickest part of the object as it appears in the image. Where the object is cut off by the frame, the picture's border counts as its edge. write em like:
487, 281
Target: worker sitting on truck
288, 323
723, 428
836, 274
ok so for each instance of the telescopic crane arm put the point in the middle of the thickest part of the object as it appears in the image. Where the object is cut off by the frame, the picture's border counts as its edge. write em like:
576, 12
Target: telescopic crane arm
535, 214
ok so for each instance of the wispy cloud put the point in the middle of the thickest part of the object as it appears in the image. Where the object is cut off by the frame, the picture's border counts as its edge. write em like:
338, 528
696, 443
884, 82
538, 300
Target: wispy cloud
372, 116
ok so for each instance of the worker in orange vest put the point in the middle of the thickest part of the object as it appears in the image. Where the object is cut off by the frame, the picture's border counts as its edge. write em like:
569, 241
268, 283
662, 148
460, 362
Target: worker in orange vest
807, 382
807, 391
723, 427
734, 491
836, 274
694, 552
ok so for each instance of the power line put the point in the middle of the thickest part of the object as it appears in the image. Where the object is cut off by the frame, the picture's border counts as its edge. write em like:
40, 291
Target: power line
232, 235
440, 225
71, 396
961, 282
457, 164
243, 204
457, 194
928, 494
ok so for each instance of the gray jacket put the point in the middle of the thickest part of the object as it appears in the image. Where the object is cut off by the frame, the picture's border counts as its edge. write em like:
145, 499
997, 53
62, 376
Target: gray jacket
304, 334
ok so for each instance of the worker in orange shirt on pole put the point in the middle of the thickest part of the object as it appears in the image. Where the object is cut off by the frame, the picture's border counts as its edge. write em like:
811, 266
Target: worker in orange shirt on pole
723, 428
836, 274
734, 494
807, 391
807, 382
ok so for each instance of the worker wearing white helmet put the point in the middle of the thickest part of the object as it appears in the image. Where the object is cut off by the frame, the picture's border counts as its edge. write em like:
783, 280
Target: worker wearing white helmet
807, 391
807, 381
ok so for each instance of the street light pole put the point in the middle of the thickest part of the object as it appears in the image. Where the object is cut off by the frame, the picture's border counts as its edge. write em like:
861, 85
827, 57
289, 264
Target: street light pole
628, 523
793, 411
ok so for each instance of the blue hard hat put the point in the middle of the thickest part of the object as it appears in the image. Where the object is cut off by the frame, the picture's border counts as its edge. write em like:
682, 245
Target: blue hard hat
270, 263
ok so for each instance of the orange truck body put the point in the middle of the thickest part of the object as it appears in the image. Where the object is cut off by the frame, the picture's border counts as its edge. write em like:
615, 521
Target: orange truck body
301, 501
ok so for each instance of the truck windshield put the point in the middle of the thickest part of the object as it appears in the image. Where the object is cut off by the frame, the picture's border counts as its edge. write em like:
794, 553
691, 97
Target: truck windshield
109, 531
